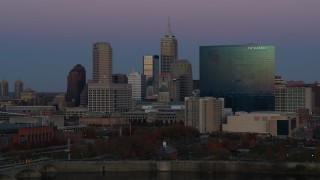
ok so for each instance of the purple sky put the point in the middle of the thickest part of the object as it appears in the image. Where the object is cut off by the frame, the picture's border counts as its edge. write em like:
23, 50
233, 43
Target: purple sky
41, 41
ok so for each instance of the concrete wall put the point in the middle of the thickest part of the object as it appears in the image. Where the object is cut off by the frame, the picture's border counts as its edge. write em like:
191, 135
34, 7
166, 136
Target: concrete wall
52, 167
190, 166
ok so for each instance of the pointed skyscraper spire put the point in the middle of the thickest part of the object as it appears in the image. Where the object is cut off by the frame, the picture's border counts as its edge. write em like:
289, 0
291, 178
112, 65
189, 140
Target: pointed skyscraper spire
169, 33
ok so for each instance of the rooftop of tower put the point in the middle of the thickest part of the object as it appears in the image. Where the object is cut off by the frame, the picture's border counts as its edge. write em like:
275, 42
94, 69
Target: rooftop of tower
169, 33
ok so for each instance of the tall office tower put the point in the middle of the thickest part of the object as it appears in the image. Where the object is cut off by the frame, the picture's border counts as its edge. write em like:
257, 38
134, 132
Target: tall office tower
181, 71
76, 84
204, 113
102, 63
138, 84
18, 88
151, 68
103, 95
242, 74
4, 90
119, 79
291, 99
151, 71
168, 50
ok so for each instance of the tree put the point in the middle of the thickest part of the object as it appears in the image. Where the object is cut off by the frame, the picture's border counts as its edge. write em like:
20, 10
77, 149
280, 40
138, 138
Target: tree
269, 152
282, 154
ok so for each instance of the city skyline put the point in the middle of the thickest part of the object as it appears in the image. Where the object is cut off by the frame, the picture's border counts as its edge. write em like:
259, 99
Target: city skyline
44, 40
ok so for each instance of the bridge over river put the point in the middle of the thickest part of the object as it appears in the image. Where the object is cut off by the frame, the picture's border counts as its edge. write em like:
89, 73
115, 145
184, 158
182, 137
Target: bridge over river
36, 169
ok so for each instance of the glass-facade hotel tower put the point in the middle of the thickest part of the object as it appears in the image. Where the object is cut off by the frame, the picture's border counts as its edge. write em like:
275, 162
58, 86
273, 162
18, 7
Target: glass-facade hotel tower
242, 74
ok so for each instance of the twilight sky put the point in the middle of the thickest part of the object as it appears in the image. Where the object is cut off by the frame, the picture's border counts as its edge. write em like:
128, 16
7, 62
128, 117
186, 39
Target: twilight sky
41, 41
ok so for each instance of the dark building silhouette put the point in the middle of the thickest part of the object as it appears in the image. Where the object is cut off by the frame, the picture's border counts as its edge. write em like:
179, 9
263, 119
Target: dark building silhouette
84, 96
195, 84
76, 84
119, 79
4, 92
18, 88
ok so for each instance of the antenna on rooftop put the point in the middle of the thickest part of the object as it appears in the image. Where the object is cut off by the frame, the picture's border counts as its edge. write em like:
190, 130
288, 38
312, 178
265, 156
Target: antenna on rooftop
169, 25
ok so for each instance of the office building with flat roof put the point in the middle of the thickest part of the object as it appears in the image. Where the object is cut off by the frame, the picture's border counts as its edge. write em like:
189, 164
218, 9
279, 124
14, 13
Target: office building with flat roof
181, 72
241, 74
18, 88
102, 62
138, 84
204, 113
103, 95
4, 88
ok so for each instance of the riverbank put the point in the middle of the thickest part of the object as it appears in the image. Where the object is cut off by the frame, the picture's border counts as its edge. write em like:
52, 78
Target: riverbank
189, 166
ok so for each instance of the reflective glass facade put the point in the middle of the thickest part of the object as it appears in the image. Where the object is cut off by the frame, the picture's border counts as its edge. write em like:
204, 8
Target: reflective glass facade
242, 74
151, 68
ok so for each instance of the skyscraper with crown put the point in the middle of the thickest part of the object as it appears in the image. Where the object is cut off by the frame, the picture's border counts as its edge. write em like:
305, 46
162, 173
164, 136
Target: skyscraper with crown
168, 50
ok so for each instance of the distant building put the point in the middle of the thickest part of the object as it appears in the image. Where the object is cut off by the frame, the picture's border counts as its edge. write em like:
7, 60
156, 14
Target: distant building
34, 134
168, 50
102, 62
108, 98
151, 71
59, 102
119, 79
204, 113
76, 112
195, 85
18, 88
151, 68
28, 94
103, 95
84, 96
156, 119
316, 92
164, 95
4, 88
291, 99
181, 72
241, 74
264, 123
102, 121
73, 133
138, 84
76, 84
32, 110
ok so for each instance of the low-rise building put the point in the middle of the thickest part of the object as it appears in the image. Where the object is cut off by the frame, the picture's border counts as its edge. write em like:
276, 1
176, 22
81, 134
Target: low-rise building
76, 112
264, 123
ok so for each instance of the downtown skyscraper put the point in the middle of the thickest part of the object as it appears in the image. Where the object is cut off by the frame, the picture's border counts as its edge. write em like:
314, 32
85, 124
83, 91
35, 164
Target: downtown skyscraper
18, 88
151, 71
4, 88
102, 62
76, 84
168, 50
103, 95
181, 84
242, 74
